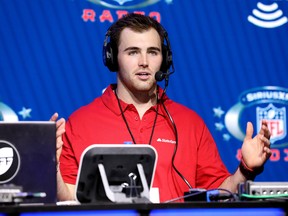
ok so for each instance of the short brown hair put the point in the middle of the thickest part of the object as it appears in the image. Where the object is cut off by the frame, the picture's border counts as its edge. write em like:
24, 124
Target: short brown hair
137, 23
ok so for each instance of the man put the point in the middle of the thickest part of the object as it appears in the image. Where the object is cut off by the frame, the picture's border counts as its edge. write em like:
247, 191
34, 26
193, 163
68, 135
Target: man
136, 110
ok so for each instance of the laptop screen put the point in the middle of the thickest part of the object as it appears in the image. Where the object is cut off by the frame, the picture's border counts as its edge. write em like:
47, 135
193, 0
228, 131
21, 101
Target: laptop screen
28, 160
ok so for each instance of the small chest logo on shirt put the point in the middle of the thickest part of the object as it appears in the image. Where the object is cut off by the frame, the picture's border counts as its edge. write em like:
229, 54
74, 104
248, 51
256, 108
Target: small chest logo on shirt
162, 140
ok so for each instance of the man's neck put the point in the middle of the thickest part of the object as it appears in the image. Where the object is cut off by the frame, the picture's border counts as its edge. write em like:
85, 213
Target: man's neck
141, 100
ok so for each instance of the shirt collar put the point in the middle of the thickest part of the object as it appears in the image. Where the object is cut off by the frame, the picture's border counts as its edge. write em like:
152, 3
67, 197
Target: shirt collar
110, 101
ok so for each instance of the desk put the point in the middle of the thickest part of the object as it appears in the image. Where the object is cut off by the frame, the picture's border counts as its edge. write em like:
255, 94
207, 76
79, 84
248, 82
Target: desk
165, 209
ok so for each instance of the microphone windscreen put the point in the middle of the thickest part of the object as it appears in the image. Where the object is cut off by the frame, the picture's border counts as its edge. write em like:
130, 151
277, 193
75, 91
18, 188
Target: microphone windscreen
159, 76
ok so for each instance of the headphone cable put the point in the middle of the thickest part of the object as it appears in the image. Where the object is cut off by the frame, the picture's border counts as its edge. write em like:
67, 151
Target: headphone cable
176, 144
127, 125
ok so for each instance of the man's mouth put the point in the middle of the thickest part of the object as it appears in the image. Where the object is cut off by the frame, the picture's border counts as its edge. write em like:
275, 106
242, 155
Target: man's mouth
143, 75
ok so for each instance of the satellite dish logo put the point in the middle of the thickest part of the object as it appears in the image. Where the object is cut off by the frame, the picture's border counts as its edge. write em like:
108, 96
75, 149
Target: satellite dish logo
267, 16
9, 161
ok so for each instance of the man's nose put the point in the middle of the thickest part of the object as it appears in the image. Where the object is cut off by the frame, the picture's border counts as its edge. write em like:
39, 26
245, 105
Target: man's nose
143, 62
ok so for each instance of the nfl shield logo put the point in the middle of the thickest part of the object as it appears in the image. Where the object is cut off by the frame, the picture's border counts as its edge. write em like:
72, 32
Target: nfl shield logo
276, 119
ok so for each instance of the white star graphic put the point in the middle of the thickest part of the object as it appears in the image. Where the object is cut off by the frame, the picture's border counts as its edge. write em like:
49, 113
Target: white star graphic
25, 113
219, 126
218, 112
226, 137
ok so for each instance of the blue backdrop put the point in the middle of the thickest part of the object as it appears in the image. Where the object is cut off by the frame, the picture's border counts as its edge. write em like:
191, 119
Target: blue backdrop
230, 60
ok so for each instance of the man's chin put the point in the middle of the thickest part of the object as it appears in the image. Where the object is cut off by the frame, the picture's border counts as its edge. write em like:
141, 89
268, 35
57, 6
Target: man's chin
145, 87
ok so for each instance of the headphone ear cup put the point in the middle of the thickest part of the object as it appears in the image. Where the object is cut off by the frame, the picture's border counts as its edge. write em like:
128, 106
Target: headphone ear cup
110, 58
167, 59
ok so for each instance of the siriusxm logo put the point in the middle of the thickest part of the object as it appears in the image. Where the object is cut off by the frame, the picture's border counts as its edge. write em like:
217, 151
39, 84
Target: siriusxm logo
9, 161
267, 16
265, 103
127, 4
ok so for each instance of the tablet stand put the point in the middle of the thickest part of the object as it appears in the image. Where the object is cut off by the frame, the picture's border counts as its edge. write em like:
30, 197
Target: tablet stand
126, 192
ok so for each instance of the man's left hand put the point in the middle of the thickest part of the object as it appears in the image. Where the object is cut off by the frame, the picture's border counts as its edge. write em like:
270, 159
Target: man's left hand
256, 151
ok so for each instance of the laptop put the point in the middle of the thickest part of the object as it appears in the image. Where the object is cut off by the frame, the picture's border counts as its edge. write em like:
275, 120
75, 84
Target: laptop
28, 162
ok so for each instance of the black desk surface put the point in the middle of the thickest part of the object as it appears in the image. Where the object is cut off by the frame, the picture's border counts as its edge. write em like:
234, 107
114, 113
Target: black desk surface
260, 208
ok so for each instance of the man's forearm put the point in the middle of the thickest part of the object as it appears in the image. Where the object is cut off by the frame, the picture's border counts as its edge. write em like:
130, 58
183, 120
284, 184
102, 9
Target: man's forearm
64, 193
231, 183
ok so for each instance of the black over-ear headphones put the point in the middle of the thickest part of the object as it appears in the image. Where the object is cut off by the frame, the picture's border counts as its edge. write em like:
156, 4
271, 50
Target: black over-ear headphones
110, 52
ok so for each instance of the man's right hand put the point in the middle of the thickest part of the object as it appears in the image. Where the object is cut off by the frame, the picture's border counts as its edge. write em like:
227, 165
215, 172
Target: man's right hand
60, 130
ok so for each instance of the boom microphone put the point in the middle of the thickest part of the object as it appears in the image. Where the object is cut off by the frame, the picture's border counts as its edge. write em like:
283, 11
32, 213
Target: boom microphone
159, 76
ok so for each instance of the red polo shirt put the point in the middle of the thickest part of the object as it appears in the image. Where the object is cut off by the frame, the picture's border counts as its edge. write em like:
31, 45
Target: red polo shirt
100, 122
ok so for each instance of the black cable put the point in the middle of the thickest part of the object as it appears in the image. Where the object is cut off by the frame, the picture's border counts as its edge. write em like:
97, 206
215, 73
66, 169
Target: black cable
154, 124
229, 195
127, 125
123, 116
209, 196
176, 144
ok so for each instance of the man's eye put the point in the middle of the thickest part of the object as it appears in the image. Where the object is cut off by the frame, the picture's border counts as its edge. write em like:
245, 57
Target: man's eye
132, 52
153, 52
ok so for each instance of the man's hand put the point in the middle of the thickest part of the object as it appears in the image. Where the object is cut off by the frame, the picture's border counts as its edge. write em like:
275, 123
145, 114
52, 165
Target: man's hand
60, 130
256, 151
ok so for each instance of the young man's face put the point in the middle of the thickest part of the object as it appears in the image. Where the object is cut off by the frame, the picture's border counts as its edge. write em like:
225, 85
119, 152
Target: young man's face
139, 58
